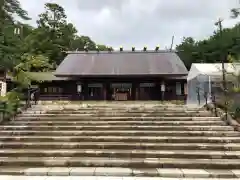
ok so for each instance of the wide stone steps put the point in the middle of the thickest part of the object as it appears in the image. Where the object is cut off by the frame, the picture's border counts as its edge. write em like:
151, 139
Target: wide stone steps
122, 123
142, 140
120, 162
121, 133
124, 107
70, 127
122, 114
110, 118
147, 139
116, 153
121, 145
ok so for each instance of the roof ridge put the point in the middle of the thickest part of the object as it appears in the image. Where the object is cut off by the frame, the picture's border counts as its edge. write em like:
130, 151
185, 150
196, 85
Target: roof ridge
119, 52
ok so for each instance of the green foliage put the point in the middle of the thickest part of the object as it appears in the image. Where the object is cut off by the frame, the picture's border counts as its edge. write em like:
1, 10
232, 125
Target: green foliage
9, 8
212, 49
34, 63
8, 42
49, 39
10, 104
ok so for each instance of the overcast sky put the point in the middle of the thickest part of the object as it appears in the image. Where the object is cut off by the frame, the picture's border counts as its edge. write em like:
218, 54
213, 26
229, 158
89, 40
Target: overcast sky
141, 22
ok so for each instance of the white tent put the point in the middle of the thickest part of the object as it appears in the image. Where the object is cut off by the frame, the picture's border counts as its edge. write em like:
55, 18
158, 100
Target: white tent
205, 78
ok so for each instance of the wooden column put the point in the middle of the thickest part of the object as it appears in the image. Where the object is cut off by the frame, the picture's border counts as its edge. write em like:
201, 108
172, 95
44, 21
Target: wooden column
133, 93
137, 91
105, 91
85, 91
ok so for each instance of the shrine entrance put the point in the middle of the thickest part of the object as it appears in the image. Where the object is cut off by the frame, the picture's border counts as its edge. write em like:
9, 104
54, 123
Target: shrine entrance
121, 91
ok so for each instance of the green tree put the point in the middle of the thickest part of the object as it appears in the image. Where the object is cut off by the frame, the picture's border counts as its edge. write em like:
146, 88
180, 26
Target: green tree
53, 34
212, 49
8, 41
103, 47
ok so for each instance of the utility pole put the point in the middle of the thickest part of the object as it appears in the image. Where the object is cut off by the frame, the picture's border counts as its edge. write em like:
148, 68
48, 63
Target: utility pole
223, 57
172, 43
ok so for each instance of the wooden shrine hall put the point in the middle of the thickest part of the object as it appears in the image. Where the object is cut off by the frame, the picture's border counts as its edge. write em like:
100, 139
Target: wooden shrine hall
115, 75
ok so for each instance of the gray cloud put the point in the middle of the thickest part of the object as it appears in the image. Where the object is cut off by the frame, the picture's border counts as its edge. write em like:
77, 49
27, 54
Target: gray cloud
141, 22
98, 5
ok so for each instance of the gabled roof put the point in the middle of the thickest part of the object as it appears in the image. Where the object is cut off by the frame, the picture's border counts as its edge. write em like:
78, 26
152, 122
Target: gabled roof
121, 64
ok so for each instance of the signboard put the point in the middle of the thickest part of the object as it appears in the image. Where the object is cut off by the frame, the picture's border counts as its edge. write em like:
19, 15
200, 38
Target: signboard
147, 84
95, 85
121, 85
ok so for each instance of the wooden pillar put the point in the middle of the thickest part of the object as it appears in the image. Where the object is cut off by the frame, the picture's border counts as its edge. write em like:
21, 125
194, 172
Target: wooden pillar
104, 91
158, 91
133, 96
85, 91
137, 91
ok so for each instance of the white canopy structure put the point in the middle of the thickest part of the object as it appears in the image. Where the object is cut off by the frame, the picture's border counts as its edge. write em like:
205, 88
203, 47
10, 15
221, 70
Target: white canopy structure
205, 78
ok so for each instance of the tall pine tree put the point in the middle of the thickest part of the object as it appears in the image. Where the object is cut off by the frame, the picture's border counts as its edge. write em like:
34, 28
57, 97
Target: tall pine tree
8, 41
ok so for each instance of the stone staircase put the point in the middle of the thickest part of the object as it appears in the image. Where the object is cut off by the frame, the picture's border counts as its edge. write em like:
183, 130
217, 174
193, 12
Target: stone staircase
119, 139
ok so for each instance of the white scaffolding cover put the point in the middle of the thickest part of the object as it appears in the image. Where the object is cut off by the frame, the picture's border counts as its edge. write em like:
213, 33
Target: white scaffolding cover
205, 77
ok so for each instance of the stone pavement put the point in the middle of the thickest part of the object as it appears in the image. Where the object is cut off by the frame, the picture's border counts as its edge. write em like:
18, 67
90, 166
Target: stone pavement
97, 178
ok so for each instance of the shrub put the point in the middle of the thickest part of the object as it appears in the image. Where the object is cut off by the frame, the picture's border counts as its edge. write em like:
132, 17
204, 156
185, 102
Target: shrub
11, 102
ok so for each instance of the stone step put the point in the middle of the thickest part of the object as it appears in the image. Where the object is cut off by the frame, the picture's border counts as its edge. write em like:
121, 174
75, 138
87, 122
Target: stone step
123, 105
116, 111
113, 121
112, 177
149, 139
115, 108
77, 117
123, 111
116, 153
120, 113
100, 173
125, 123
112, 106
120, 162
121, 145
112, 114
124, 173
120, 133
70, 127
